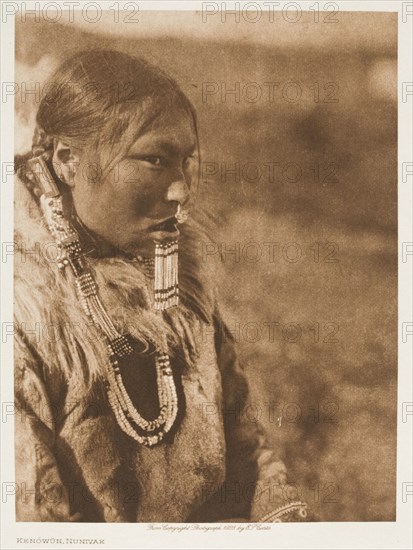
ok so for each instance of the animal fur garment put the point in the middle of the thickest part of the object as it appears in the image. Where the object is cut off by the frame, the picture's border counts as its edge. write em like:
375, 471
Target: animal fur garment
73, 462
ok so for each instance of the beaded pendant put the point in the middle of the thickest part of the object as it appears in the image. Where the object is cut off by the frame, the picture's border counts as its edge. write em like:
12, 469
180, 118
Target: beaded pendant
70, 253
166, 275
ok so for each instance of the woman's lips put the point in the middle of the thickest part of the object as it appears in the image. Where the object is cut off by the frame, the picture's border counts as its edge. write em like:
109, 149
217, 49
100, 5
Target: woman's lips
168, 225
166, 228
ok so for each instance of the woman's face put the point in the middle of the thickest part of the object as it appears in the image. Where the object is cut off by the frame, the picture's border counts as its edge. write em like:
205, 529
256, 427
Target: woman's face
133, 206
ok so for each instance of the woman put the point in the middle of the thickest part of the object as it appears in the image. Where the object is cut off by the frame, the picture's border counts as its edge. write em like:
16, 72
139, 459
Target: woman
126, 383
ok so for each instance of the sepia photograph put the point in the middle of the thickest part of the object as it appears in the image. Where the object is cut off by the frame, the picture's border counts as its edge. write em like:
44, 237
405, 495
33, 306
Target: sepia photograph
205, 266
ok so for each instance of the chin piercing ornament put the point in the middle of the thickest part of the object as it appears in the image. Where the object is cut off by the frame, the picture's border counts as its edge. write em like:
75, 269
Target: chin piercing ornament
166, 275
181, 214
166, 269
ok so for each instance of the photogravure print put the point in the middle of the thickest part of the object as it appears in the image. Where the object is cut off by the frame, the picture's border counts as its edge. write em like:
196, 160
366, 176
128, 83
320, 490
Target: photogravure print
205, 260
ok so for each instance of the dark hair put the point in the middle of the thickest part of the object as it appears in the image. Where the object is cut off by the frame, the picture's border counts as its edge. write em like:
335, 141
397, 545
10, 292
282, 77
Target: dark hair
104, 98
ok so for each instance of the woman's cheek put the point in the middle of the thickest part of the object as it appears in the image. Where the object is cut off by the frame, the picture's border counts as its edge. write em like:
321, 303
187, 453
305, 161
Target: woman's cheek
152, 190
146, 203
142, 187
127, 174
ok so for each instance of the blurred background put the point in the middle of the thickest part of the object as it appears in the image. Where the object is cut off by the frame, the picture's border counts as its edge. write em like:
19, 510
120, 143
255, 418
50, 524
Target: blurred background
301, 156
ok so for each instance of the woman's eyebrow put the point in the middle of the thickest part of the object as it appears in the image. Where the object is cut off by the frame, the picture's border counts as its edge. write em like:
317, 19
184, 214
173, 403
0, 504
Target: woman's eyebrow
169, 147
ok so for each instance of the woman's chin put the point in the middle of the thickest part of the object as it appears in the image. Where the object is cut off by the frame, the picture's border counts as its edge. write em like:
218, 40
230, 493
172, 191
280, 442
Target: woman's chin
146, 248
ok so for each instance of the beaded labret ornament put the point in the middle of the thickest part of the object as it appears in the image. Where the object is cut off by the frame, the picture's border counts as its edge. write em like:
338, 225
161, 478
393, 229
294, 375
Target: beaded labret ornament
166, 270
146, 432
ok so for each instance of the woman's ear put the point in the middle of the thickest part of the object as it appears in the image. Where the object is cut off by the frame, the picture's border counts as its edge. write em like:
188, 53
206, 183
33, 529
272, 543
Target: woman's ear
65, 162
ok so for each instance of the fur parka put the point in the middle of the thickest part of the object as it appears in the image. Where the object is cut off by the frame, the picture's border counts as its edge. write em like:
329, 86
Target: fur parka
73, 462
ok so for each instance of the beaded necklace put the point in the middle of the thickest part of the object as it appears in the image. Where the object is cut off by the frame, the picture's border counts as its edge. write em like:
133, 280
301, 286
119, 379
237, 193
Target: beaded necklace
165, 270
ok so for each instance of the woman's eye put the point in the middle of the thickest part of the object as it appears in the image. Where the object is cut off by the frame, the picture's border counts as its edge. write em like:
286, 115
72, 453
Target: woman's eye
155, 161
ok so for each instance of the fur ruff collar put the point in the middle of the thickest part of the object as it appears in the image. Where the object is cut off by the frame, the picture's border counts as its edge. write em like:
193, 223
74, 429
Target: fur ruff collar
51, 322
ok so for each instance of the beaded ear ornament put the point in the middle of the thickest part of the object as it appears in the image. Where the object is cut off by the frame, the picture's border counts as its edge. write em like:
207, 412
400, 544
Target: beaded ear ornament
146, 432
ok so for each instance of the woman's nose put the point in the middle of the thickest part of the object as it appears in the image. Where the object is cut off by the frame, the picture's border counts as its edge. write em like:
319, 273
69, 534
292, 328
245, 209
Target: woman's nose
178, 191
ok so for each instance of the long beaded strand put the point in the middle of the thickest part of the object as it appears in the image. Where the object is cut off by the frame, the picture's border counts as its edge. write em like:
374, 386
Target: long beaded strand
165, 271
